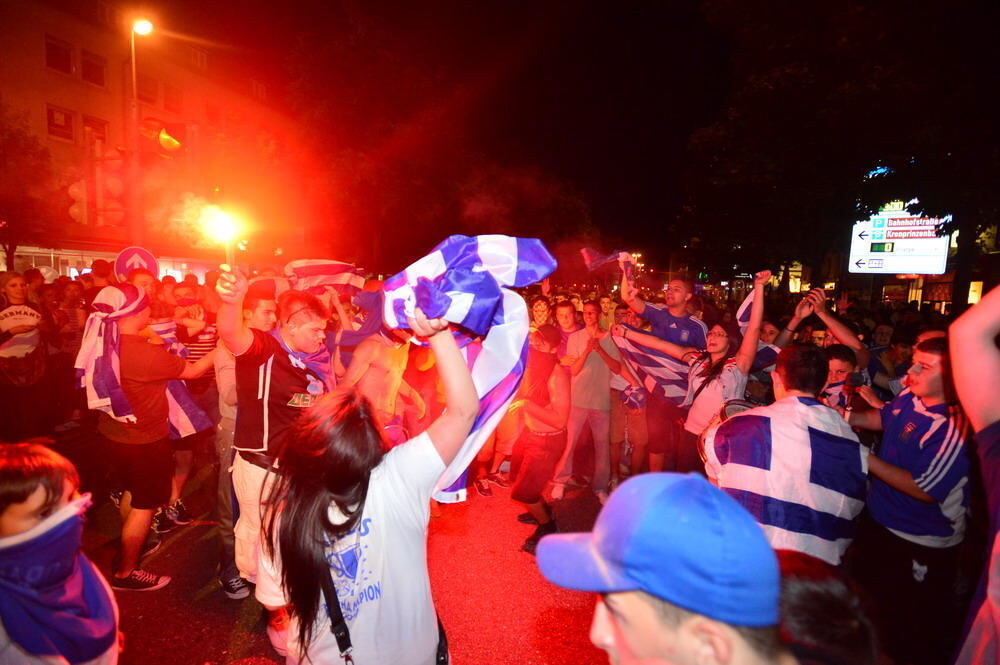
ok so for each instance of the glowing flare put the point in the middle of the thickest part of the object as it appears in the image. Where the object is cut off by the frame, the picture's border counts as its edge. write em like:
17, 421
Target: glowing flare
142, 27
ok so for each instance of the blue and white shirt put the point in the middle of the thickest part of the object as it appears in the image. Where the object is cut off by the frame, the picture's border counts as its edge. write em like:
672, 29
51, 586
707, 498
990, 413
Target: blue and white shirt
798, 468
661, 374
929, 442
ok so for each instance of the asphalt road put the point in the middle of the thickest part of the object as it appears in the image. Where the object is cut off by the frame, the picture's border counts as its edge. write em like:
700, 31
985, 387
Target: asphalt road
495, 606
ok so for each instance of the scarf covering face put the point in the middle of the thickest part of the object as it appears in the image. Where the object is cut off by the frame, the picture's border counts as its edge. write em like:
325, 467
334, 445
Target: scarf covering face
55, 603
465, 280
98, 364
184, 415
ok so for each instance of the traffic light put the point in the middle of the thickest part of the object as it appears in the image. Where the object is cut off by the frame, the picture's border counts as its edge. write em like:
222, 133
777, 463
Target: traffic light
161, 138
79, 210
109, 187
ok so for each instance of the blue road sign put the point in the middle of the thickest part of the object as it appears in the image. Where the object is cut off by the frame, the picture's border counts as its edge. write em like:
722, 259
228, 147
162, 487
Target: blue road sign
131, 258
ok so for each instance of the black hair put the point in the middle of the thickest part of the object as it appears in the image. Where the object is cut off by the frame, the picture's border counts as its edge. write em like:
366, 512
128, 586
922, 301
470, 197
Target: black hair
24, 467
565, 303
939, 347
822, 617
734, 338
326, 459
803, 367
538, 298
843, 353
292, 302
136, 272
593, 303
902, 336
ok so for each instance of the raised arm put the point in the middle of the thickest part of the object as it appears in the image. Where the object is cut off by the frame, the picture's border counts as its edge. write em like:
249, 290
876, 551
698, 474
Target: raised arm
748, 347
844, 335
653, 342
232, 287
198, 368
802, 311
449, 431
975, 360
630, 294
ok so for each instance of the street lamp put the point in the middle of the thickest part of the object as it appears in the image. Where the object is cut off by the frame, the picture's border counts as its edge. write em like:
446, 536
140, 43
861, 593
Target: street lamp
136, 230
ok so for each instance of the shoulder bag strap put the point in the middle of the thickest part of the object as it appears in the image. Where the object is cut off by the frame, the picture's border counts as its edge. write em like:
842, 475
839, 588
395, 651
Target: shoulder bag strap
338, 625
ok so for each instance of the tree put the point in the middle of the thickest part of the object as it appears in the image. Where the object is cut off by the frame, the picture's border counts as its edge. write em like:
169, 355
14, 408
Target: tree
25, 186
822, 93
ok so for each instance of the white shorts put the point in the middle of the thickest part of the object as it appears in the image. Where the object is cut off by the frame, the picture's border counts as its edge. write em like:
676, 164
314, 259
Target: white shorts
249, 481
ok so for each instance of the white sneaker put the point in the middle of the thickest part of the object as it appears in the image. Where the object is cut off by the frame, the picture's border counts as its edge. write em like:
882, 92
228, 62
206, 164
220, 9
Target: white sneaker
557, 492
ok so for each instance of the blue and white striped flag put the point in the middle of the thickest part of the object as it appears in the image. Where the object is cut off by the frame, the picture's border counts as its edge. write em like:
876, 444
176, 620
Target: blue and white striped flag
184, 416
659, 373
767, 354
466, 280
309, 274
798, 468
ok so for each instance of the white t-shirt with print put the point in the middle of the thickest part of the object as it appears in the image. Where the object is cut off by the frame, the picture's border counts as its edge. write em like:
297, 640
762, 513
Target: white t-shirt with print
379, 570
729, 384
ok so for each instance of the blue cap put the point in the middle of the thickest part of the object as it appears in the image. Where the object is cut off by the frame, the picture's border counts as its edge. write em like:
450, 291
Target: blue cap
678, 538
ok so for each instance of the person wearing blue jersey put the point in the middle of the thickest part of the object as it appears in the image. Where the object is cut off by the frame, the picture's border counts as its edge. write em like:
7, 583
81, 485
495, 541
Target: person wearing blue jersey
673, 324
907, 550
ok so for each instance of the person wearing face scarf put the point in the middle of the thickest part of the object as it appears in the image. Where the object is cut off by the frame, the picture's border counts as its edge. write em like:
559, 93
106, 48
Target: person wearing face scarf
57, 609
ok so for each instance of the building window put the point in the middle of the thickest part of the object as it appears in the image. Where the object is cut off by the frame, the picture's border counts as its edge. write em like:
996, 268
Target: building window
198, 58
92, 68
98, 128
258, 90
146, 88
58, 55
173, 98
60, 122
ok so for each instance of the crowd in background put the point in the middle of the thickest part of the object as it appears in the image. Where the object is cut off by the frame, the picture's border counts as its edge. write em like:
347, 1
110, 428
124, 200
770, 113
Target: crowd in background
882, 482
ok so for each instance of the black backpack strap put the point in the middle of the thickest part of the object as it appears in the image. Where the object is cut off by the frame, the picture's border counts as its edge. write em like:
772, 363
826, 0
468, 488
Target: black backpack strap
442, 650
338, 625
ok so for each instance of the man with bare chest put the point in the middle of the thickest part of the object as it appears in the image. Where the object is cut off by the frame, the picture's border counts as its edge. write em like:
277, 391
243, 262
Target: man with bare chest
377, 370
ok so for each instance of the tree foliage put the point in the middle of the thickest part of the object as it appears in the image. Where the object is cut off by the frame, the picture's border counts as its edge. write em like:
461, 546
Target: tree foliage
25, 186
821, 94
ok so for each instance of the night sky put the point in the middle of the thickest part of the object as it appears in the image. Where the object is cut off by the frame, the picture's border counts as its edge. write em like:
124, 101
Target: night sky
601, 96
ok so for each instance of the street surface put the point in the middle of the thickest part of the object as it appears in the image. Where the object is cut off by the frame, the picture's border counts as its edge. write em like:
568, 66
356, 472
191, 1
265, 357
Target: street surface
496, 607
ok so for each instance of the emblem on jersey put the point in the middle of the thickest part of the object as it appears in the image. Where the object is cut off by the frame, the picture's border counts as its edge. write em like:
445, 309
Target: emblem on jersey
908, 428
684, 335
302, 400
919, 571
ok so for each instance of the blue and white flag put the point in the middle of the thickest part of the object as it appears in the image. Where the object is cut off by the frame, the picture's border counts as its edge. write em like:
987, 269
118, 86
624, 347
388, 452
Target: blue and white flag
660, 374
798, 468
767, 354
594, 259
184, 415
98, 363
466, 280
316, 274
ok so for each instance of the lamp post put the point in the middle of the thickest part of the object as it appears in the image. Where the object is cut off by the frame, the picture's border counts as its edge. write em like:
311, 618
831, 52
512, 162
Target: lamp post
135, 216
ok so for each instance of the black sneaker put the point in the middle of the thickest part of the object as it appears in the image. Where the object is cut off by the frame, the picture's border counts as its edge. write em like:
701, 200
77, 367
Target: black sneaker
178, 513
235, 588
483, 487
162, 522
527, 518
152, 545
531, 544
498, 480
139, 580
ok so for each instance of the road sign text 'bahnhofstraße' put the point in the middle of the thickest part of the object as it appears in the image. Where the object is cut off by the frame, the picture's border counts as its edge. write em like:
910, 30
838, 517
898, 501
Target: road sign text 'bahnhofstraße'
893, 242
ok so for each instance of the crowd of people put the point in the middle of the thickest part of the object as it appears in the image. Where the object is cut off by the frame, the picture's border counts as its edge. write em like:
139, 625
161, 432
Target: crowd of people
784, 478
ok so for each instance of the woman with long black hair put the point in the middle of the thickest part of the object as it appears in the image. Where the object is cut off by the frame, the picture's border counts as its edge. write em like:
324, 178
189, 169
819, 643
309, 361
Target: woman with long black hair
350, 522
718, 372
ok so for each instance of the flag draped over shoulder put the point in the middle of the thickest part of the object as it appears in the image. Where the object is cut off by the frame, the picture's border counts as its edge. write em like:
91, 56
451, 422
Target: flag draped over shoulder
466, 280
659, 373
184, 415
318, 273
98, 363
798, 468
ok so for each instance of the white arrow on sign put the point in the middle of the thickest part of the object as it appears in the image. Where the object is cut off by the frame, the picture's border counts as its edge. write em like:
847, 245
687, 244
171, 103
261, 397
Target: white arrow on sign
135, 261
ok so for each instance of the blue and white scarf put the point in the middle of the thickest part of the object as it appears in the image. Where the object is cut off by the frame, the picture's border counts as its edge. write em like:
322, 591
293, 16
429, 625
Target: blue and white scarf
98, 364
184, 414
466, 280
54, 602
